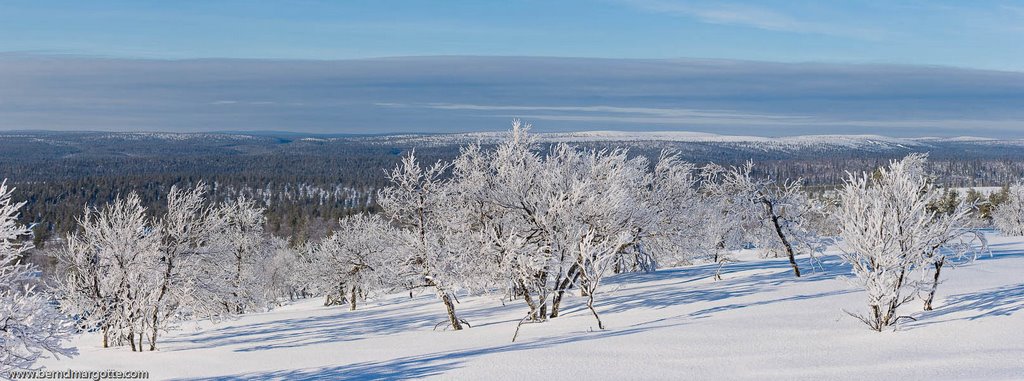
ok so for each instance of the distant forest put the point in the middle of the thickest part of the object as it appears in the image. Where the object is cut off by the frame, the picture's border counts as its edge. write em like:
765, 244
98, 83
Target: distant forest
306, 183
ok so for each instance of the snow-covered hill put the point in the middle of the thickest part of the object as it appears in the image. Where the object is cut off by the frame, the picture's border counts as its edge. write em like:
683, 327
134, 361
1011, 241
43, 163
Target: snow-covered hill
812, 143
758, 323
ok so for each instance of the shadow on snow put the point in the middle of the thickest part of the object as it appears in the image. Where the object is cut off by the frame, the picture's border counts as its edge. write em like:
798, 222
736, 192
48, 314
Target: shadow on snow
646, 290
417, 366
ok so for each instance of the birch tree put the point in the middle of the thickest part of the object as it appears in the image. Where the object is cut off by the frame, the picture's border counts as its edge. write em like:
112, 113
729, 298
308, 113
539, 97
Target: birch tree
888, 232
188, 231
776, 215
417, 202
237, 281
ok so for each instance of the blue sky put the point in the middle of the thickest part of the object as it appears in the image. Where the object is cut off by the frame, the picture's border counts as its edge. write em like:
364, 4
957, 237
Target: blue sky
976, 34
769, 68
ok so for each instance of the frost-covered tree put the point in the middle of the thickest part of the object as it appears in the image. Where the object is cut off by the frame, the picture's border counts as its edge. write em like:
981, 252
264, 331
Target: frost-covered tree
507, 192
953, 238
775, 215
888, 232
677, 213
237, 279
1008, 217
109, 271
188, 231
132, 277
594, 256
537, 209
30, 327
430, 252
287, 271
357, 259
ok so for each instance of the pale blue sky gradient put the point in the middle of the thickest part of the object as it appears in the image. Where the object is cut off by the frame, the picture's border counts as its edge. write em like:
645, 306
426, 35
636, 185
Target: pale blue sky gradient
985, 34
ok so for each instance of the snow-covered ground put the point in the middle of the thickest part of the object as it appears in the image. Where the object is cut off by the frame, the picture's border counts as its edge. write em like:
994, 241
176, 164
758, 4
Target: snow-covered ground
758, 323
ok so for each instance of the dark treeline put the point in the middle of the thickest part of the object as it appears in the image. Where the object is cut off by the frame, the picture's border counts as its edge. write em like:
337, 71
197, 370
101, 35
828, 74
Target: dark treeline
305, 185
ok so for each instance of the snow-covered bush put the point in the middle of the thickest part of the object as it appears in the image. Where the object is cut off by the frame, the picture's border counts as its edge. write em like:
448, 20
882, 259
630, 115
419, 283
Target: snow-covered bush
30, 326
889, 235
287, 271
357, 260
1008, 217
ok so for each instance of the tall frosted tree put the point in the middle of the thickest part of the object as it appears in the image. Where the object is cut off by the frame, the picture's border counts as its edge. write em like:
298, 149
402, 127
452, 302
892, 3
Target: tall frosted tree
188, 230
418, 203
238, 281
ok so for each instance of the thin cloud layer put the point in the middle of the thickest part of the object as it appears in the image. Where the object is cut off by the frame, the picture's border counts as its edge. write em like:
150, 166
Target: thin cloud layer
451, 94
752, 16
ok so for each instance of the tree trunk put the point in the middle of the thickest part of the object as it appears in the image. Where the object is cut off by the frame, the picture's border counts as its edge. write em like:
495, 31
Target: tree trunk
556, 302
878, 323
153, 334
352, 299
106, 337
935, 285
590, 305
452, 318
782, 236
529, 302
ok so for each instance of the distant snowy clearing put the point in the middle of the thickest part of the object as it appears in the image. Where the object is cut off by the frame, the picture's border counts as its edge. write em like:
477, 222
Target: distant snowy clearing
759, 322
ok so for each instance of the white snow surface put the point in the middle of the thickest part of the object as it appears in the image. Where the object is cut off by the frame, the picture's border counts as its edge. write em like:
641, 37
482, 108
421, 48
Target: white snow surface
758, 323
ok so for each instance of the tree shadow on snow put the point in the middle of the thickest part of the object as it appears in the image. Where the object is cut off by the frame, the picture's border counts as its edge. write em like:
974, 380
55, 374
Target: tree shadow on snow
1000, 251
422, 365
645, 290
339, 324
999, 301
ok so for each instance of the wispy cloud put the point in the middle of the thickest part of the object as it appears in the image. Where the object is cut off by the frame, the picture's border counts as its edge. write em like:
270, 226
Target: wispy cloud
753, 17
650, 111
695, 117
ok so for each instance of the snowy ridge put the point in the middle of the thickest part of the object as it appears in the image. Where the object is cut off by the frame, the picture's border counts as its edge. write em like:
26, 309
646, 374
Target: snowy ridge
760, 143
687, 136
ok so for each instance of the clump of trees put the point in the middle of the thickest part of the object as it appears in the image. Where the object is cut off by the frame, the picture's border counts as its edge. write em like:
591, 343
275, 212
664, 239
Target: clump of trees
131, 276
535, 223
